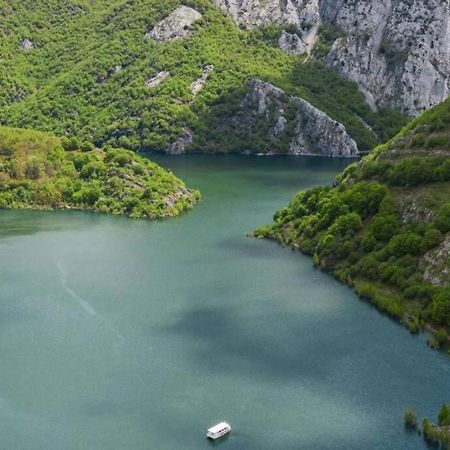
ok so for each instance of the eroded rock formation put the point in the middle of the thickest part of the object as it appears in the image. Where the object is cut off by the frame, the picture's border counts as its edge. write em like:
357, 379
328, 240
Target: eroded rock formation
397, 51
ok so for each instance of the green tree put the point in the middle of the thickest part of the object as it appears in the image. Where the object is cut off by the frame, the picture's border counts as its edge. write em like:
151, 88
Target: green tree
33, 169
410, 418
384, 227
444, 415
443, 218
408, 243
441, 307
70, 143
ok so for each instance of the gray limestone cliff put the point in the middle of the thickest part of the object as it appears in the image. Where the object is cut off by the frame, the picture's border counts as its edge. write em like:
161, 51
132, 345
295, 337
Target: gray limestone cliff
397, 51
257, 13
306, 129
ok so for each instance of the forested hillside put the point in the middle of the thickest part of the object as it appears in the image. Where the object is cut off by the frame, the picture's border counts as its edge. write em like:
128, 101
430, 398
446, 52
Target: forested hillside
385, 227
94, 70
40, 171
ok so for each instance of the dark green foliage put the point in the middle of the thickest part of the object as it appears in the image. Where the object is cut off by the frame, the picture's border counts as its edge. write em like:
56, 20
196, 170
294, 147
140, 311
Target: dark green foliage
410, 419
443, 218
444, 416
383, 227
438, 435
441, 307
70, 144
407, 243
429, 432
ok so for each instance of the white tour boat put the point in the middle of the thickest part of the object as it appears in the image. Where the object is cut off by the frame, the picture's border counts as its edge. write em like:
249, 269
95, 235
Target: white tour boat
218, 430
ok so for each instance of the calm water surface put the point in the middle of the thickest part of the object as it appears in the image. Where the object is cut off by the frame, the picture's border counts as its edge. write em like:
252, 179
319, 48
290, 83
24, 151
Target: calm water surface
121, 334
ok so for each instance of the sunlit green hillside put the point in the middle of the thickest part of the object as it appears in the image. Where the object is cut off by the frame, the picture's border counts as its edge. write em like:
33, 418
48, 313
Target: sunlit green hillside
385, 227
86, 72
40, 171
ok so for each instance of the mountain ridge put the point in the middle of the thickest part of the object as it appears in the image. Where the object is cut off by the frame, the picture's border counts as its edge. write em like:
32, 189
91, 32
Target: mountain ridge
397, 51
91, 69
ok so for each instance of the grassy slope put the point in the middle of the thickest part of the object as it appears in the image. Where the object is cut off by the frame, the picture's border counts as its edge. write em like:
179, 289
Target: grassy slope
36, 172
66, 83
375, 229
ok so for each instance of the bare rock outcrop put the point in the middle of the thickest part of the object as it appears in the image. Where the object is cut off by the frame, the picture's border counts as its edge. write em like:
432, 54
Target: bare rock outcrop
26, 45
198, 84
257, 13
397, 51
179, 146
157, 79
306, 129
176, 25
292, 43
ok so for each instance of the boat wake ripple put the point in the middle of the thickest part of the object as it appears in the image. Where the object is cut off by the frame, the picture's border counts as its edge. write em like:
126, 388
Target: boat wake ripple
85, 305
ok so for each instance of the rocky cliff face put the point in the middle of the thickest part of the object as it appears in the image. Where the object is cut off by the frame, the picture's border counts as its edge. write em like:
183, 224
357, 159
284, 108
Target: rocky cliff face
256, 13
397, 51
267, 121
293, 125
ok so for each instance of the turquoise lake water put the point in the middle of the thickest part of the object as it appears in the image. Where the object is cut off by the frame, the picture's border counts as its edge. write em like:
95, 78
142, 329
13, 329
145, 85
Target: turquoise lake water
122, 334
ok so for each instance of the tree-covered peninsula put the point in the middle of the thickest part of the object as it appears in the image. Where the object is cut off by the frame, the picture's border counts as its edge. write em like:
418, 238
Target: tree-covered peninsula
41, 171
384, 227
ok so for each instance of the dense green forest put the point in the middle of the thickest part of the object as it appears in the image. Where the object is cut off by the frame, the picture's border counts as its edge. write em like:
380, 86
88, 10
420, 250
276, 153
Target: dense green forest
384, 228
80, 68
40, 171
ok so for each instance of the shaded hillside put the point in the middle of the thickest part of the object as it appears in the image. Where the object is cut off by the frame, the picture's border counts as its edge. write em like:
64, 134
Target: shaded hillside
106, 71
385, 227
39, 171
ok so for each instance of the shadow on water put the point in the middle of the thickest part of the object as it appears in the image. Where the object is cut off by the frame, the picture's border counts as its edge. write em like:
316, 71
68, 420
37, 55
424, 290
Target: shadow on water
247, 246
248, 166
284, 352
218, 442
27, 223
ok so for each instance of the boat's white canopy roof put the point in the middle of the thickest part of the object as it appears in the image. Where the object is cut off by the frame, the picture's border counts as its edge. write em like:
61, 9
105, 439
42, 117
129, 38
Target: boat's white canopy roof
218, 427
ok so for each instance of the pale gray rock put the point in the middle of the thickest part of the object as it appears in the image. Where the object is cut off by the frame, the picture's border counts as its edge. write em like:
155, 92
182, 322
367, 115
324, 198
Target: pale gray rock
257, 13
157, 79
198, 84
397, 51
315, 133
278, 128
292, 43
176, 25
179, 146
26, 44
